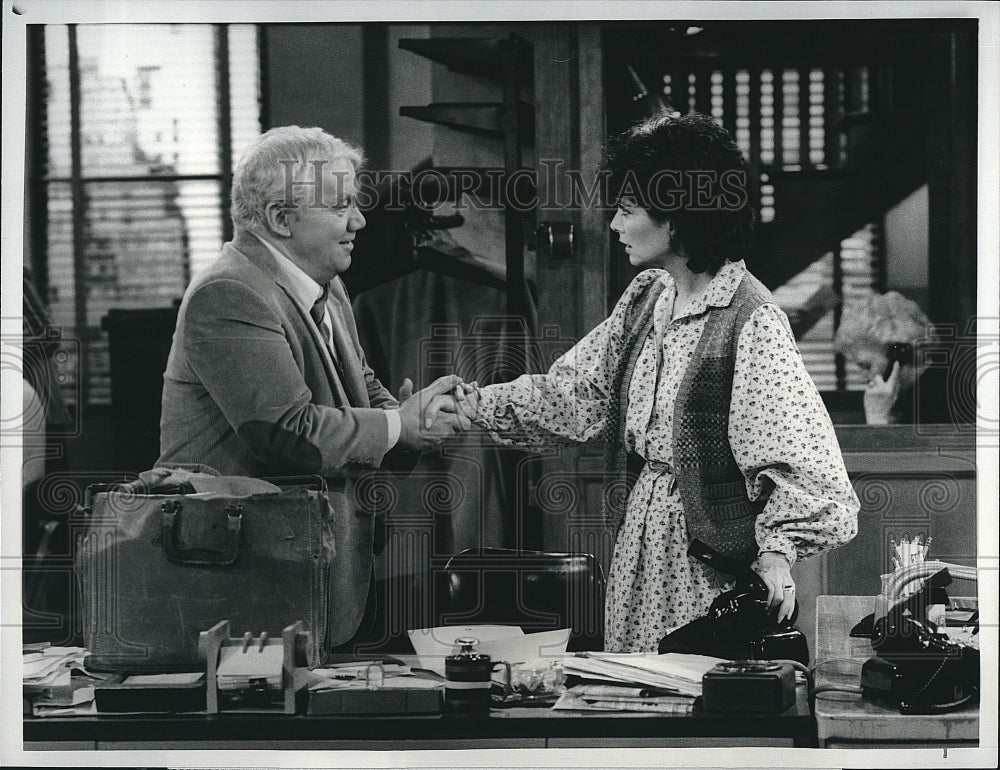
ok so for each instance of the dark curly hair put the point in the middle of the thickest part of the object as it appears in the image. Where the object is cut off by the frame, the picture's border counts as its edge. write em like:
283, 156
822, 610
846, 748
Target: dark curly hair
689, 170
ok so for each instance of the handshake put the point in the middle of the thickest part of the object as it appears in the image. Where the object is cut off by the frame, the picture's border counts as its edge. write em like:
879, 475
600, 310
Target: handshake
441, 410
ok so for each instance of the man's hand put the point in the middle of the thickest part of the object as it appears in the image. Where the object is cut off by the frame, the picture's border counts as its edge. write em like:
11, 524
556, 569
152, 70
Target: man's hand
467, 398
777, 576
880, 396
431, 415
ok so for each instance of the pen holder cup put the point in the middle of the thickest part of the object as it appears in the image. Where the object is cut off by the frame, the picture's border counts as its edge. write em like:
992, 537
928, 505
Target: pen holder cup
468, 680
882, 602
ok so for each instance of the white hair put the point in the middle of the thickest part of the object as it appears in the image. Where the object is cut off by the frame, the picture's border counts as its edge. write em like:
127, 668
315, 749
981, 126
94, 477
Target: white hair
262, 175
879, 319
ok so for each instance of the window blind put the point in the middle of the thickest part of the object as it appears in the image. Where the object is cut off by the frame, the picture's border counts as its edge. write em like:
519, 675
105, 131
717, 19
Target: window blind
142, 211
787, 119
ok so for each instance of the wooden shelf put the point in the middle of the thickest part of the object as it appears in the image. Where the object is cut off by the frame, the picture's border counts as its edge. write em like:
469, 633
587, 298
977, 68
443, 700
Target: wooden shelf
472, 117
479, 56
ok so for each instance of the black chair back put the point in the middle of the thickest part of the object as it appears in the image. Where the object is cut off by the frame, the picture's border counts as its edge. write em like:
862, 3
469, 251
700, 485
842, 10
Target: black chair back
535, 590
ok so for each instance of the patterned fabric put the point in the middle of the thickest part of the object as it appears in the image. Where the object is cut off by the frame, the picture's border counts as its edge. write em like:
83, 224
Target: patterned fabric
779, 431
39, 371
638, 323
712, 487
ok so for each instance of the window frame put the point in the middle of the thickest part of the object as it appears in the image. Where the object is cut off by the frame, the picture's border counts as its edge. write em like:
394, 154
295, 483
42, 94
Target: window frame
37, 193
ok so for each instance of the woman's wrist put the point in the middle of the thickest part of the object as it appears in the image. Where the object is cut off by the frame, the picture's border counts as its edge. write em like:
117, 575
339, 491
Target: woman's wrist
878, 415
773, 557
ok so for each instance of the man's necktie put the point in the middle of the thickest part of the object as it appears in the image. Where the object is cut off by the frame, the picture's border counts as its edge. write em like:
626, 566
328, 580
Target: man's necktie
340, 352
318, 310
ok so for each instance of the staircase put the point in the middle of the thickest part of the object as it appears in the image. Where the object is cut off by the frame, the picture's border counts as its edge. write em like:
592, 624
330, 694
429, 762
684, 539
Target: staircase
817, 208
832, 116
841, 122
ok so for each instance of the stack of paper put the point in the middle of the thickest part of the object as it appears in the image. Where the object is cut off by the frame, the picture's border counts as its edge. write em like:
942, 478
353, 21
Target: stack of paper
49, 684
240, 668
677, 673
610, 697
46, 674
369, 675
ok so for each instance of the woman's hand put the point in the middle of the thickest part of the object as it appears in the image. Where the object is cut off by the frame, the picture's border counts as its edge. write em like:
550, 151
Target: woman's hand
880, 396
774, 570
467, 399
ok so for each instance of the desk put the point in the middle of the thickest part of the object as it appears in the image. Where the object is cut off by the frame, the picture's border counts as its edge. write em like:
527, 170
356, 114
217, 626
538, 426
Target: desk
501, 728
846, 720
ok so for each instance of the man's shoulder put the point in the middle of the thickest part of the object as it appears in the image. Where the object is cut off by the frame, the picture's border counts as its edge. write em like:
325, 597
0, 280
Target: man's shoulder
233, 265
232, 284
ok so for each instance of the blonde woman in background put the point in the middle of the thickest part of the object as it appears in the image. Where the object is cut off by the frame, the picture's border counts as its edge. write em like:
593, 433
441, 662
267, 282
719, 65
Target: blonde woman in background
870, 330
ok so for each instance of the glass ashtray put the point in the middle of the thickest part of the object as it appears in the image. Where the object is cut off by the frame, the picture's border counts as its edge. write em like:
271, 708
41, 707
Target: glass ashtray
535, 683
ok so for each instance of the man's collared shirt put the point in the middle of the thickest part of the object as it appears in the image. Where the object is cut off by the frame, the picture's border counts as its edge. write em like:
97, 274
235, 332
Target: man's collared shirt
305, 292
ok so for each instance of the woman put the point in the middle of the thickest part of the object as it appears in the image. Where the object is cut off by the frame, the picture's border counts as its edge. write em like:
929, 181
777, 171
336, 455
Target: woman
696, 373
868, 330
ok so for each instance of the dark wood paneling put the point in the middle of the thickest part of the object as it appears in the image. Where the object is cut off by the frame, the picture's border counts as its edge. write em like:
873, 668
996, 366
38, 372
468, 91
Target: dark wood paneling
951, 179
374, 58
908, 483
314, 79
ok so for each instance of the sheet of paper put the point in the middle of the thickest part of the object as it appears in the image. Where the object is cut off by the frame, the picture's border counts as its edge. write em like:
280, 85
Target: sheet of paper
237, 667
159, 679
440, 640
520, 649
501, 643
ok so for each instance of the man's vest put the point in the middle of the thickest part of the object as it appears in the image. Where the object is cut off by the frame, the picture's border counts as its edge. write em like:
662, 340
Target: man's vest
711, 485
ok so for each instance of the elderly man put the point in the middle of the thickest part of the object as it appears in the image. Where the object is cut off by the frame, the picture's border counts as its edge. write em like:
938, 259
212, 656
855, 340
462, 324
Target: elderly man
266, 375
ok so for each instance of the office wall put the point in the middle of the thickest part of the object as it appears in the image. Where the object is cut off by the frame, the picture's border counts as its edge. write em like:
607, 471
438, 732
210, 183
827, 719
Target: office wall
313, 77
906, 246
410, 141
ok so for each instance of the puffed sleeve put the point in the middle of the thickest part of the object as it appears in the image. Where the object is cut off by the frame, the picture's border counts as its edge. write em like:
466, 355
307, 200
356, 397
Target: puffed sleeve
569, 403
783, 440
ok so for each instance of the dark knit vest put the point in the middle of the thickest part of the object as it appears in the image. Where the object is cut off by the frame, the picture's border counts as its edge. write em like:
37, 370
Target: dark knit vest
711, 485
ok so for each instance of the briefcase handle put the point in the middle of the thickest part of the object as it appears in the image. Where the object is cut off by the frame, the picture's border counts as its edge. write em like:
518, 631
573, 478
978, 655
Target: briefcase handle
310, 482
170, 512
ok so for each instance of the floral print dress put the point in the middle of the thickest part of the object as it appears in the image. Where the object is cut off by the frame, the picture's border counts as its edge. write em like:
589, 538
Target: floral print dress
779, 431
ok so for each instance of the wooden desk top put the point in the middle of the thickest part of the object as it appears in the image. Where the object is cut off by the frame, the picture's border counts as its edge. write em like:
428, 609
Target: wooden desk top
389, 730
847, 716
516, 722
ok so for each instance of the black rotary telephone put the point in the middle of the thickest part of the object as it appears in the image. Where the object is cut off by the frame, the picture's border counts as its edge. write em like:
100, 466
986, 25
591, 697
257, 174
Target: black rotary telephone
917, 668
738, 624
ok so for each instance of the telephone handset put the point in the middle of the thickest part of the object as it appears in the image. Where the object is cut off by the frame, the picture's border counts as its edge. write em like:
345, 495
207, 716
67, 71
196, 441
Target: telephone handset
897, 351
750, 593
738, 624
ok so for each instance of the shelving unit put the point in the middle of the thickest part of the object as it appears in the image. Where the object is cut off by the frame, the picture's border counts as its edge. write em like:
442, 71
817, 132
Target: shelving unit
509, 61
476, 117
481, 56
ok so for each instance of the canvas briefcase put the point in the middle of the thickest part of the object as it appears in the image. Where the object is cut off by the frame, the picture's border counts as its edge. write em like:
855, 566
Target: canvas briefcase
157, 569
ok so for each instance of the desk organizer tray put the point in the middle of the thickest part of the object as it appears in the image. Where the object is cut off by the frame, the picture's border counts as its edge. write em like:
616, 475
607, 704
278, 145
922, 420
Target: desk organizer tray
388, 701
167, 693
